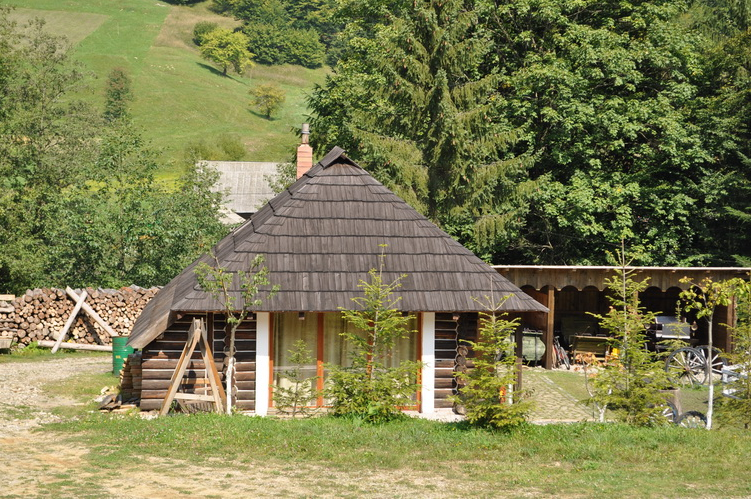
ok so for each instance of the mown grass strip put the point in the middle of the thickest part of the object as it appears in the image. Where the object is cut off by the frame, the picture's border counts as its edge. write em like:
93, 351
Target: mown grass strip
579, 458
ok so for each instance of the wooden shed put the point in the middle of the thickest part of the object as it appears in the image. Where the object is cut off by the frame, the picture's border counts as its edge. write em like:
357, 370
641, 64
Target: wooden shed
320, 237
573, 293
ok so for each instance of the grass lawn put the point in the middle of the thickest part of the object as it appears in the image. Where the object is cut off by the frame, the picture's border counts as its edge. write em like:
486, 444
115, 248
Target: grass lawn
575, 460
410, 457
179, 97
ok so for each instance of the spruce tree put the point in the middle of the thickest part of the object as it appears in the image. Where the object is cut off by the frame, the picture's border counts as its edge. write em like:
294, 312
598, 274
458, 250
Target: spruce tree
425, 124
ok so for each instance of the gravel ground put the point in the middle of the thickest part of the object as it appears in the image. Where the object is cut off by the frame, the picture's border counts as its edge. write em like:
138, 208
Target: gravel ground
23, 403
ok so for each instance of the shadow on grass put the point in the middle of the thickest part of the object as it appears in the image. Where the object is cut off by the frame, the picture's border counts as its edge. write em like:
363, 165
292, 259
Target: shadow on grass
261, 115
217, 72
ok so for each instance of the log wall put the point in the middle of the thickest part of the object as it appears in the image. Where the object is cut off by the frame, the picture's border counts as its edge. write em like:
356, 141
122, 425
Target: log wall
451, 353
160, 358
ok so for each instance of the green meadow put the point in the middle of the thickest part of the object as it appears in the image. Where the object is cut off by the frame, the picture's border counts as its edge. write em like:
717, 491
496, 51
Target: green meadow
179, 97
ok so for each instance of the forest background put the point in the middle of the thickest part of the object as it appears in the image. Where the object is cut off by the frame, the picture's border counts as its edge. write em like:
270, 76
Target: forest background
534, 132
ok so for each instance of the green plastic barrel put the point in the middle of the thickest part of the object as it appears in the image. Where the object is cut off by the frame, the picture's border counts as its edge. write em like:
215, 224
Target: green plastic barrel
120, 352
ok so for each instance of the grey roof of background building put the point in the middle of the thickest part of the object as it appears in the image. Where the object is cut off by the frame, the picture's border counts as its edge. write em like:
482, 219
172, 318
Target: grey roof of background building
247, 189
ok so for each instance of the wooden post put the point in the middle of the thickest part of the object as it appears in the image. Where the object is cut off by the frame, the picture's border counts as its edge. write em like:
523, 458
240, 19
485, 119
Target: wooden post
518, 354
92, 313
548, 333
183, 362
428, 360
76, 346
196, 336
69, 322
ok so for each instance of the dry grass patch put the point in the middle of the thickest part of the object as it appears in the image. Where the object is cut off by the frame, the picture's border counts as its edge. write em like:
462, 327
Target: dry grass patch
75, 26
177, 30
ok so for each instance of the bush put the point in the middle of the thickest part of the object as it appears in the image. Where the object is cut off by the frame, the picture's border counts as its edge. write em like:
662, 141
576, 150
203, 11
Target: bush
267, 43
201, 29
222, 148
305, 49
487, 391
277, 44
370, 389
267, 99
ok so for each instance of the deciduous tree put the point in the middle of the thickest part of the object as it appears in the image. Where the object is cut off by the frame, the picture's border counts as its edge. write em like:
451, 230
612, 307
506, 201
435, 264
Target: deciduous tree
227, 49
267, 98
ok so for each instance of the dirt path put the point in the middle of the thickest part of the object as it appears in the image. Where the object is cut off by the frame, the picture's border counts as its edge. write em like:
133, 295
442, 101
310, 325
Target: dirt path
23, 403
46, 464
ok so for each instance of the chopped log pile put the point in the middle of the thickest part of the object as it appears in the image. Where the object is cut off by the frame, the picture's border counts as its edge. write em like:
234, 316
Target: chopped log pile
40, 314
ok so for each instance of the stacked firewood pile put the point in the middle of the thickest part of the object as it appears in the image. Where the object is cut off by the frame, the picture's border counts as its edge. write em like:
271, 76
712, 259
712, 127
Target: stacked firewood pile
40, 314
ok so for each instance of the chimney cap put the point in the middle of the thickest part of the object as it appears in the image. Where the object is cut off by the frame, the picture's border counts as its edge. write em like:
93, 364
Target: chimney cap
306, 129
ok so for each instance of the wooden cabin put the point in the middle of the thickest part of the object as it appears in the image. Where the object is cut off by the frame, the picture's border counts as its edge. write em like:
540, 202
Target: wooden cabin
320, 238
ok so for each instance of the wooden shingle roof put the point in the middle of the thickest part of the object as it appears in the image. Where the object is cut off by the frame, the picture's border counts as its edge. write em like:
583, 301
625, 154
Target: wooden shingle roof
320, 238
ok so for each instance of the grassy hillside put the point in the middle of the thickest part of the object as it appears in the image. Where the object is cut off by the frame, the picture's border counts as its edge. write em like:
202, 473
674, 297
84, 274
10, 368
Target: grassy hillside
179, 97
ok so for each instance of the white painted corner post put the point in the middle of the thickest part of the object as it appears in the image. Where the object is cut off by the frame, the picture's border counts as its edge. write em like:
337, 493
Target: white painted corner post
428, 358
262, 363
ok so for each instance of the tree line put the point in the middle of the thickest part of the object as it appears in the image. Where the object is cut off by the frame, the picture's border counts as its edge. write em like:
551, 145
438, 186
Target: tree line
545, 131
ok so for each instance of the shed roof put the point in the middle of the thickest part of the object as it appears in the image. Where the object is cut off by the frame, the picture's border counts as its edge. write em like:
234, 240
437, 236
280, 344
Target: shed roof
245, 183
320, 238
581, 277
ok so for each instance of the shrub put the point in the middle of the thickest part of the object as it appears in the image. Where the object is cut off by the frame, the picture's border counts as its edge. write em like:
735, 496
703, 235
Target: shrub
304, 48
487, 391
267, 99
370, 389
201, 29
227, 49
222, 148
279, 44
267, 42
294, 399
631, 382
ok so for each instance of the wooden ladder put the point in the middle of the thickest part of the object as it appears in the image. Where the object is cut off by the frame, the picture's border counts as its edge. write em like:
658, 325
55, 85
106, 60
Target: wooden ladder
196, 336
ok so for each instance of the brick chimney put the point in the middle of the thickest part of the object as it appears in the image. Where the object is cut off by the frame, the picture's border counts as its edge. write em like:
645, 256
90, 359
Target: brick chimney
305, 153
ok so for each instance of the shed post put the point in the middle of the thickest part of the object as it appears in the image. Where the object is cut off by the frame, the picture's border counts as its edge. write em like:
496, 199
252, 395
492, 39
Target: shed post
262, 363
428, 359
548, 333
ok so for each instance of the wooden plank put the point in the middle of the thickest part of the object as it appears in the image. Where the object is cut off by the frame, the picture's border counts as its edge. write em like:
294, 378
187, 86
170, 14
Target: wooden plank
443, 383
194, 396
182, 365
167, 374
245, 366
172, 364
69, 322
245, 385
247, 405
443, 393
245, 394
150, 404
76, 346
218, 392
164, 384
92, 313
167, 356
442, 404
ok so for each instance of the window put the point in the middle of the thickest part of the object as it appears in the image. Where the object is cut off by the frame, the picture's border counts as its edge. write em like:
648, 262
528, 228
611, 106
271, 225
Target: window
322, 334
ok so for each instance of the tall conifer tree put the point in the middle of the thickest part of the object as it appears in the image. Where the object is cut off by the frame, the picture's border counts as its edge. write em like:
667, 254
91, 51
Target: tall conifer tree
425, 123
